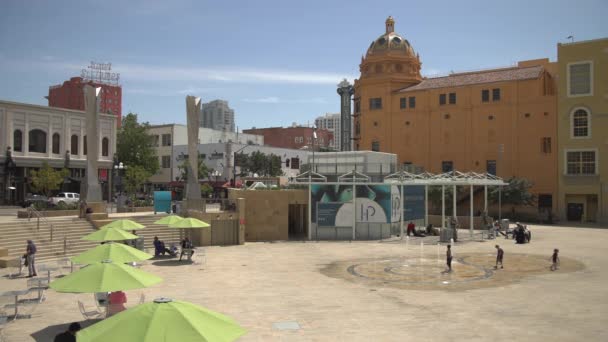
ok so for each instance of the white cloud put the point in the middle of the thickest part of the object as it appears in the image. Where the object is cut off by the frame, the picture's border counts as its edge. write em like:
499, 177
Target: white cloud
269, 99
274, 99
432, 72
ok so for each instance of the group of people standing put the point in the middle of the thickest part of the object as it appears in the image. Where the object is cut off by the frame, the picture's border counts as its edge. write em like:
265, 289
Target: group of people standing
500, 253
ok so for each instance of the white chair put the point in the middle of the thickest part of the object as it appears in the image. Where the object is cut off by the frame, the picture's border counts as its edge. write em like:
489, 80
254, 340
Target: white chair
89, 314
199, 257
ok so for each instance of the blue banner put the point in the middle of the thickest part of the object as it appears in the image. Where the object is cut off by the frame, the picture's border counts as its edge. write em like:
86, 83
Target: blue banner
413, 202
326, 213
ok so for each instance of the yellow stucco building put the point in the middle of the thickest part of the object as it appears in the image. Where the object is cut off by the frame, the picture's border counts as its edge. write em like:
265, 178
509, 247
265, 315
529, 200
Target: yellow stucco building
501, 121
583, 131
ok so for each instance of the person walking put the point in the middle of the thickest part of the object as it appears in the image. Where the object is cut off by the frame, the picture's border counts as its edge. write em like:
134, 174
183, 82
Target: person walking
448, 257
499, 255
555, 259
68, 335
30, 258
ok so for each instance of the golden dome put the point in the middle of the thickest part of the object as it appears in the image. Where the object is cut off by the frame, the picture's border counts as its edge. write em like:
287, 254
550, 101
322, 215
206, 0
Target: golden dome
391, 42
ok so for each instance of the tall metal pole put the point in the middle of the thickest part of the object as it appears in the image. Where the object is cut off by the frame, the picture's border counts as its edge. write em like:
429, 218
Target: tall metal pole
309, 206
354, 208
426, 205
442, 206
499, 203
401, 205
485, 199
454, 212
471, 212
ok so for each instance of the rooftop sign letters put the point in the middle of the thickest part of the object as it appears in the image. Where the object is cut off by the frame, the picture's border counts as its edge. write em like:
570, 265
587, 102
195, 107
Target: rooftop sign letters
100, 72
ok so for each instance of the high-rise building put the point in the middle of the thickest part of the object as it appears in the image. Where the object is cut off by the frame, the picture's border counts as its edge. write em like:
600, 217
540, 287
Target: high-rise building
500, 121
217, 115
582, 126
331, 122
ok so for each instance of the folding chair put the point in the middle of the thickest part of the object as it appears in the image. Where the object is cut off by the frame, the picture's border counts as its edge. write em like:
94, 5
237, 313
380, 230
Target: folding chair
89, 314
3, 324
39, 284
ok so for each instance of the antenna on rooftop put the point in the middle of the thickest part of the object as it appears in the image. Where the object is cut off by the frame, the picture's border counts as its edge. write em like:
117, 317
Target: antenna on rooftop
571, 39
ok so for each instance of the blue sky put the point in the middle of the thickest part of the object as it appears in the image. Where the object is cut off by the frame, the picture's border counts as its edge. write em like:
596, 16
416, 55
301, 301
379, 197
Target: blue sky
276, 62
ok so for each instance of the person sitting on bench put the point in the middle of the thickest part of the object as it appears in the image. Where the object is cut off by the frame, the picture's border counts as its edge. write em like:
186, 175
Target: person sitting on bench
186, 249
159, 248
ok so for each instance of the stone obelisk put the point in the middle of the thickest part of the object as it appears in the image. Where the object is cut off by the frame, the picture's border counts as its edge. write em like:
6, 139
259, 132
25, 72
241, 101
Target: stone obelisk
92, 188
193, 188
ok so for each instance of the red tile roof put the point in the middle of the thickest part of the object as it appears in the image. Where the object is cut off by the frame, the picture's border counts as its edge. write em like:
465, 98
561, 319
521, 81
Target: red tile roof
478, 77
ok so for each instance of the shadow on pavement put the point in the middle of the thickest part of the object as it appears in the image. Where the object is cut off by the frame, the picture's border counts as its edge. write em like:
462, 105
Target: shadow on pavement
174, 262
48, 334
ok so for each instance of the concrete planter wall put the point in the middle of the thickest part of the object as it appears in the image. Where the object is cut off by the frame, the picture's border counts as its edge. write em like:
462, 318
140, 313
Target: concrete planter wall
50, 213
135, 209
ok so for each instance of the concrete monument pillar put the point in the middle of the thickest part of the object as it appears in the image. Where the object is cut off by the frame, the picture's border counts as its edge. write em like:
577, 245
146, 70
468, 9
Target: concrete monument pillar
92, 186
345, 90
193, 189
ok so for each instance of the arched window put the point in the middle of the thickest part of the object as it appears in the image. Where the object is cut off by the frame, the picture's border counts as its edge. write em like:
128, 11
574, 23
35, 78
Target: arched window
580, 124
74, 145
56, 143
84, 150
17, 141
37, 141
105, 147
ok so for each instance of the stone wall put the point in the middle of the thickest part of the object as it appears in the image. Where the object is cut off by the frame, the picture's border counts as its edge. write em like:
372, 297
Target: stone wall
267, 212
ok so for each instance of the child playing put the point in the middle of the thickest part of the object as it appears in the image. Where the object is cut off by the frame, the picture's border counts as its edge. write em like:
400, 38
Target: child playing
555, 259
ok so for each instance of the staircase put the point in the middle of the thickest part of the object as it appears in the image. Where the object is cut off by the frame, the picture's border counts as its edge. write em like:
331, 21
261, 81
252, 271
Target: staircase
66, 237
54, 239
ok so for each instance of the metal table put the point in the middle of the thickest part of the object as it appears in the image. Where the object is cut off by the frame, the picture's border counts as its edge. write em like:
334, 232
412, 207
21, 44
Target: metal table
16, 294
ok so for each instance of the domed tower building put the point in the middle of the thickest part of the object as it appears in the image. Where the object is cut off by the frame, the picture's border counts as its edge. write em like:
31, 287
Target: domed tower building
501, 121
390, 64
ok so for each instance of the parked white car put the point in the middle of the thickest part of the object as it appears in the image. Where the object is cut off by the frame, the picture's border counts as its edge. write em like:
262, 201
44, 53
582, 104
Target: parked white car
65, 198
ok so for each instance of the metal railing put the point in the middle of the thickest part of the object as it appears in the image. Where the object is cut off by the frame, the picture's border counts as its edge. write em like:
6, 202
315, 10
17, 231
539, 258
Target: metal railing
33, 212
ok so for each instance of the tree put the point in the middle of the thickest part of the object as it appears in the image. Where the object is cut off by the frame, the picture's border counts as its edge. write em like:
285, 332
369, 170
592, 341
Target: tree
206, 189
435, 199
273, 166
134, 146
47, 179
203, 170
515, 194
135, 178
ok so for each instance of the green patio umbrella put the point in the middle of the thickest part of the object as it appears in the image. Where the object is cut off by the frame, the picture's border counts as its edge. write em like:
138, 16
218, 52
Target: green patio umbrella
190, 223
105, 276
109, 234
117, 252
124, 224
170, 219
164, 320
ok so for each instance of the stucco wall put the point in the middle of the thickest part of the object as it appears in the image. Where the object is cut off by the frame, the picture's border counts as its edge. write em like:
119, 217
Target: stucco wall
267, 212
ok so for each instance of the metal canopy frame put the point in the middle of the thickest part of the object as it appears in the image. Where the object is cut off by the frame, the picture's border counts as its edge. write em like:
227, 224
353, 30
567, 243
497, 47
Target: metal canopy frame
404, 178
354, 177
310, 177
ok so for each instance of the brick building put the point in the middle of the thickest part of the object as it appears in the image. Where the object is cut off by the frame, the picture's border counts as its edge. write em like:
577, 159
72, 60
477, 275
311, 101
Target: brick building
295, 137
70, 95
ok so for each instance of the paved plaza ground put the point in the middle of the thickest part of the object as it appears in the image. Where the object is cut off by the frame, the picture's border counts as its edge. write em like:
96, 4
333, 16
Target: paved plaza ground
380, 291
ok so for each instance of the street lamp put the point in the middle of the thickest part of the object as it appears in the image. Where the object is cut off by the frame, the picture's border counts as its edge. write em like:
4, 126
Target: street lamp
234, 163
216, 174
119, 169
314, 139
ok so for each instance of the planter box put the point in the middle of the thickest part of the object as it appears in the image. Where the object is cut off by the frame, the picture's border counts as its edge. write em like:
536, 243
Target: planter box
50, 213
134, 209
